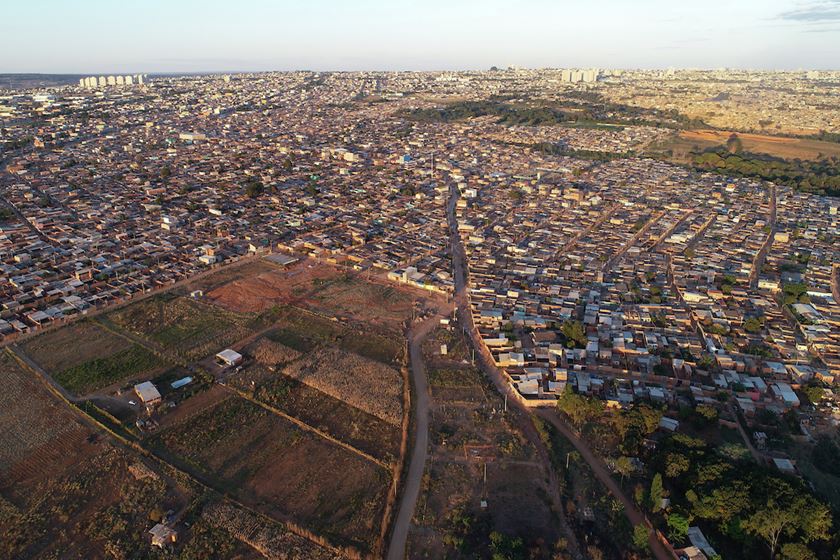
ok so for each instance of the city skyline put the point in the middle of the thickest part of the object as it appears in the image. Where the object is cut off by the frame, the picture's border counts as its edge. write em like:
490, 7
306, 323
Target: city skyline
371, 35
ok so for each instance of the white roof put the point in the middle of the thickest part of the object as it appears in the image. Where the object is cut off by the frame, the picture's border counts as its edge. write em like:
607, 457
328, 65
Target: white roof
229, 355
147, 391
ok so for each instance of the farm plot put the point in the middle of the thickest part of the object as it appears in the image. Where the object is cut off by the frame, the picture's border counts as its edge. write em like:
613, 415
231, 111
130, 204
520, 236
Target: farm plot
73, 345
54, 500
38, 434
182, 326
271, 540
101, 372
342, 421
303, 331
361, 382
269, 463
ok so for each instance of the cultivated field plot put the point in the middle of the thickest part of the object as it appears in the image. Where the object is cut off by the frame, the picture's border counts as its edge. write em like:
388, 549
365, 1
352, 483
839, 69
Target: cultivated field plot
84, 357
272, 541
54, 501
457, 384
349, 295
304, 331
185, 327
271, 464
342, 421
38, 434
361, 382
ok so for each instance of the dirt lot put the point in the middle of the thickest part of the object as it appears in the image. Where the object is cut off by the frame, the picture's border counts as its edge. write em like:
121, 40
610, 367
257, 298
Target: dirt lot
788, 148
373, 303
257, 290
288, 473
317, 286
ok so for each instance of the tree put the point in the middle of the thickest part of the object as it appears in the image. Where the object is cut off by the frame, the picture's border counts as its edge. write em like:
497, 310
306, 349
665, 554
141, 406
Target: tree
676, 464
575, 334
253, 188
677, 527
579, 409
788, 512
826, 455
797, 551
708, 414
734, 144
624, 467
656, 493
814, 393
504, 547
640, 537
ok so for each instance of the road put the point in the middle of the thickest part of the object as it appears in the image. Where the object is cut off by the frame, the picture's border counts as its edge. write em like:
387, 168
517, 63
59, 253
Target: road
759, 458
515, 400
599, 468
487, 364
758, 262
419, 454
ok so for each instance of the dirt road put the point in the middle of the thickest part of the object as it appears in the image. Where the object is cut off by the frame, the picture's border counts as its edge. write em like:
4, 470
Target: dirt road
485, 362
419, 454
603, 474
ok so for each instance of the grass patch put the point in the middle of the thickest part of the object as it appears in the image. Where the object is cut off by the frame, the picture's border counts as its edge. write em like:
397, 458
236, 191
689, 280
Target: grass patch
101, 372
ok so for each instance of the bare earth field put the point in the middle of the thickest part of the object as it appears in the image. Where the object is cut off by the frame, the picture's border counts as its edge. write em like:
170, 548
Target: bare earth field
787, 148
248, 293
385, 305
320, 287
363, 383
348, 424
268, 462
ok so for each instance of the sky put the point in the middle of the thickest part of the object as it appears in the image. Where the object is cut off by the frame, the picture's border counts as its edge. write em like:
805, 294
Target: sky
131, 36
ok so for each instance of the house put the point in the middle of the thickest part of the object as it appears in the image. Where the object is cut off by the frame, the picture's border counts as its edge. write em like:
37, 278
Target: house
162, 535
148, 393
229, 358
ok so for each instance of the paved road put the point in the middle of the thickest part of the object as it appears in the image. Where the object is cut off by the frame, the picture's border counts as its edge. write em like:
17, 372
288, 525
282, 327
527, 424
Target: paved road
417, 463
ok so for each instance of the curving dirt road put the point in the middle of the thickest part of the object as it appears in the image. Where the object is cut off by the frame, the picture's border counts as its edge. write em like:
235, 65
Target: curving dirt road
417, 462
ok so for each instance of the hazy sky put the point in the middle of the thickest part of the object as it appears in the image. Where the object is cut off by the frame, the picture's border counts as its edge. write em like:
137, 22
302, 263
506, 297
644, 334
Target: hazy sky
103, 36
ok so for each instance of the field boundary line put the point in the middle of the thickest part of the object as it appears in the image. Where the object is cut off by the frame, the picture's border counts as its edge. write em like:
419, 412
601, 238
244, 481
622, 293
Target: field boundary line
306, 427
